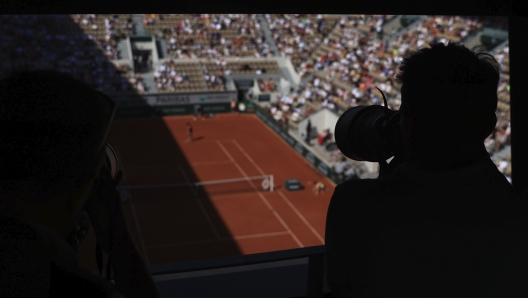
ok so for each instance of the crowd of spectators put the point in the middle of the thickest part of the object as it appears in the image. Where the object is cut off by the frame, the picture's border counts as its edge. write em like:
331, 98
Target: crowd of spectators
58, 42
137, 82
354, 59
143, 63
106, 30
168, 78
322, 92
345, 75
209, 35
214, 82
215, 77
267, 85
297, 36
326, 92
361, 62
436, 29
347, 33
289, 110
500, 137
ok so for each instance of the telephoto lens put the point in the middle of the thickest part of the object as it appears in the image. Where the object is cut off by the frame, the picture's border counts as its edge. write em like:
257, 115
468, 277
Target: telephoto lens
368, 133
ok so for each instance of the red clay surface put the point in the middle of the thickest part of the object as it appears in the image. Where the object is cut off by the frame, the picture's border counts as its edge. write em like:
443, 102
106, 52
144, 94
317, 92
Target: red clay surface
174, 224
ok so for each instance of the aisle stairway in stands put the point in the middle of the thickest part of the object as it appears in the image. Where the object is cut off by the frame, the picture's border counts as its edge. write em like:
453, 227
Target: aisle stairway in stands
307, 79
267, 33
150, 82
410, 27
503, 153
389, 26
472, 40
161, 45
122, 47
138, 21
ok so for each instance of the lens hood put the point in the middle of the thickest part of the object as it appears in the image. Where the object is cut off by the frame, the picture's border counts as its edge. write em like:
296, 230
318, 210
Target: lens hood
355, 132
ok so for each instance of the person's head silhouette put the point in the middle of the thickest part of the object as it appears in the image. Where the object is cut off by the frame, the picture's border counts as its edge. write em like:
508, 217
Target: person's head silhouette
52, 146
449, 99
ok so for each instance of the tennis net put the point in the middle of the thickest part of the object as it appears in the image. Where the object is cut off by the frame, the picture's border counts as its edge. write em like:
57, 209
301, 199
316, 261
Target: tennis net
215, 187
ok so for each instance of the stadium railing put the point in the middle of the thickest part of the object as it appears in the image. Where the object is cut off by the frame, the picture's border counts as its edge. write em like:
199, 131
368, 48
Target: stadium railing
315, 283
314, 276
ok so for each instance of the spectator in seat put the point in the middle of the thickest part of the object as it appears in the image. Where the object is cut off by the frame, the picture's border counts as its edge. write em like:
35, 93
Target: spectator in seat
351, 173
52, 151
245, 67
324, 137
185, 78
339, 167
440, 220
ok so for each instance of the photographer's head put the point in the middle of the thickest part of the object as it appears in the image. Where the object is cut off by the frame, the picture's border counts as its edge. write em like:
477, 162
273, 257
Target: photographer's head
449, 99
54, 130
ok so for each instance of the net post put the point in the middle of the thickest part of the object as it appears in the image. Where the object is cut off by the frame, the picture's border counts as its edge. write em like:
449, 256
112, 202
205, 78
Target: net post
271, 183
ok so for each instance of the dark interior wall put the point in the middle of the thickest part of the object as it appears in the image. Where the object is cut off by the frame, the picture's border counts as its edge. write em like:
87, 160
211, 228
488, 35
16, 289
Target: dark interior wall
518, 102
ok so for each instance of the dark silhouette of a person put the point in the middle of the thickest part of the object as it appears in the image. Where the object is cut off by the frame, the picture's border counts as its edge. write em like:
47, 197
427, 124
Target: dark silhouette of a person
52, 151
440, 220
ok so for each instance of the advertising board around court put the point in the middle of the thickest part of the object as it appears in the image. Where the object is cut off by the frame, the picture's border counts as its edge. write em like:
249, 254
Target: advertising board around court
297, 146
138, 105
246, 107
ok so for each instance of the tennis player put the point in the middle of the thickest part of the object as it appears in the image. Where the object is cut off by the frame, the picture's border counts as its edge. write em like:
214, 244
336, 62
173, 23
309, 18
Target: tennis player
318, 187
189, 133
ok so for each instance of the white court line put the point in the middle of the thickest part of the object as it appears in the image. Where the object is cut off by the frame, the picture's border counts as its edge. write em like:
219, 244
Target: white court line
122, 167
275, 134
299, 214
200, 204
301, 217
257, 235
221, 239
262, 197
248, 157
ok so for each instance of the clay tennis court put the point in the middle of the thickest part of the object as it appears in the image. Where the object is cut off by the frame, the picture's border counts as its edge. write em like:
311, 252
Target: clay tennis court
172, 224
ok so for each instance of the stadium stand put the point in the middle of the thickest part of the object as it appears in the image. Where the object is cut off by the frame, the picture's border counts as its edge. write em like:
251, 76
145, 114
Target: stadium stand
267, 86
341, 57
106, 30
353, 59
297, 36
243, 67
54, 41
209, 35
174, 76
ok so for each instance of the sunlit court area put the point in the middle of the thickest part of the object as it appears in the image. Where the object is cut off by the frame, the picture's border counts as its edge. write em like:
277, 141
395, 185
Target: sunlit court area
225, 128
222, 194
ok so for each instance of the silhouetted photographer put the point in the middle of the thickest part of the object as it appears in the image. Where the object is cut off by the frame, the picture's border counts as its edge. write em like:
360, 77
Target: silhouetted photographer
440, 220
53, 155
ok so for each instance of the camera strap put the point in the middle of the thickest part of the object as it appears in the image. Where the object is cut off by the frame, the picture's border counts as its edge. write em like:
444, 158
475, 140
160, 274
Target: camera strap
98, 248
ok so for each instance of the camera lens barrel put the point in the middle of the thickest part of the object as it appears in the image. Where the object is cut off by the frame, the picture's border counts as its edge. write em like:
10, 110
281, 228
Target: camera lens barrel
360, 133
